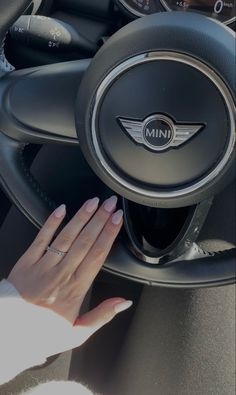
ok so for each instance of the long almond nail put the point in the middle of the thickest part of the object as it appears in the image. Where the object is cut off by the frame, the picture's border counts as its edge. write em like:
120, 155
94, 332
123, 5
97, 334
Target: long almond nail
92, 205
117, 217
110, 204
123, 306
60, 211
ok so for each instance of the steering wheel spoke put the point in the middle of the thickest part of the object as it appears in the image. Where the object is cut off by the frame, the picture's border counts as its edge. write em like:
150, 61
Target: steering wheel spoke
37, 105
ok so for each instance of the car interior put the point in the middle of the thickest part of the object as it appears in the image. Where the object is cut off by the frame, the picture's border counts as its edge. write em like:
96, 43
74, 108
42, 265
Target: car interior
134, 98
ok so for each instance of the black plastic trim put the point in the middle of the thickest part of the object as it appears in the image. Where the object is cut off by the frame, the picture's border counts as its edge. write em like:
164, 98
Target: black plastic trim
183, 241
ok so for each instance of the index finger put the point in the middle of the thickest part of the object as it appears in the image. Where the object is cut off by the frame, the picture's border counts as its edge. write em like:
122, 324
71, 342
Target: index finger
70, 232
45, 235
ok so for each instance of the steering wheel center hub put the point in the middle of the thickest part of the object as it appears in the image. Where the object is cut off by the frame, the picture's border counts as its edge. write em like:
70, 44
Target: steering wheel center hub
160, 128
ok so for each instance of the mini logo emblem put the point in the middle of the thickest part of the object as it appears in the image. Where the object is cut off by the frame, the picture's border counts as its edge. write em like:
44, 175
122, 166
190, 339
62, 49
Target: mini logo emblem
158, 132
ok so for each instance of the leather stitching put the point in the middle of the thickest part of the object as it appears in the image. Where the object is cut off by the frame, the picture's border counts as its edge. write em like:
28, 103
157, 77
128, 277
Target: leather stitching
32, 181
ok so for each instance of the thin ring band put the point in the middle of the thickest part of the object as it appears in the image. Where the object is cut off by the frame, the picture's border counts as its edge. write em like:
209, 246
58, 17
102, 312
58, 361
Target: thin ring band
55, 251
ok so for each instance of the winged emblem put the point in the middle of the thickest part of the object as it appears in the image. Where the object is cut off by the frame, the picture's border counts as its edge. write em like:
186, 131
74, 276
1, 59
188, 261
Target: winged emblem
170, 135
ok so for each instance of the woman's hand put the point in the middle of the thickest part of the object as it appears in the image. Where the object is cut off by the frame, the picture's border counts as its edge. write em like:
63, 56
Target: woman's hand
59, 281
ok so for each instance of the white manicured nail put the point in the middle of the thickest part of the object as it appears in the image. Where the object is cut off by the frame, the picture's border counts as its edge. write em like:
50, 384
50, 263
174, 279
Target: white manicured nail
117, 217
92, 205
110, 204
123, 306
60, 211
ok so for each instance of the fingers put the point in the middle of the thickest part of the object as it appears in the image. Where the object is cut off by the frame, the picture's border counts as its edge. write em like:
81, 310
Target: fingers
88, 236
104, 313
45, 235
65, 239
91, 265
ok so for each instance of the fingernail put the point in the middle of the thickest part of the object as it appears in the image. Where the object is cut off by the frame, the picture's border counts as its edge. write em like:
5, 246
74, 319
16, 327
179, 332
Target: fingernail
123, 306
60, 211
92, 205
117, 217
110, 204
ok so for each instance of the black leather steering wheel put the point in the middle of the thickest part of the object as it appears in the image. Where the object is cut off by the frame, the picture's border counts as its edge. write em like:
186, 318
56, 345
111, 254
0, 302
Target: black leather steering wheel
155, 119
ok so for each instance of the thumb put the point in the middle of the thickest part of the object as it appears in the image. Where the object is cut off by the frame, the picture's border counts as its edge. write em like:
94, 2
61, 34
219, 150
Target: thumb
102, 314
66, 338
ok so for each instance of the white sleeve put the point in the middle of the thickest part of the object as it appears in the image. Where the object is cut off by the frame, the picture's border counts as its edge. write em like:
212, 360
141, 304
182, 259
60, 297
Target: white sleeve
24, 328
59, 388
29, 334
17, 348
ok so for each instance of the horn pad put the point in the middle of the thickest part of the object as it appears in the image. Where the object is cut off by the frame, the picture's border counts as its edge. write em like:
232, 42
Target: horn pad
156, 113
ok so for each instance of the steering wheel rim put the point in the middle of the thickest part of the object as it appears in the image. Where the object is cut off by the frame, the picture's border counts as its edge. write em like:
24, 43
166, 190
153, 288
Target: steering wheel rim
18, 127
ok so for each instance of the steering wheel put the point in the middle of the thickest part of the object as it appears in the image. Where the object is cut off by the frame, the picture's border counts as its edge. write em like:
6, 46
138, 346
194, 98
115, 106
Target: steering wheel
154, 115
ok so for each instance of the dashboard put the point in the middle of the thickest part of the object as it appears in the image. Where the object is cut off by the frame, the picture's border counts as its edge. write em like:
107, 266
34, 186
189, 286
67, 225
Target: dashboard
224, 11
96, 21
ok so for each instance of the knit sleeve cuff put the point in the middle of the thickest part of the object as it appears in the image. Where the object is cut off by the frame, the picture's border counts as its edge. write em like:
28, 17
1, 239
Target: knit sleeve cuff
17, 353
